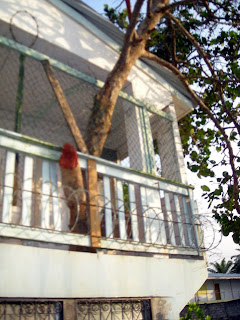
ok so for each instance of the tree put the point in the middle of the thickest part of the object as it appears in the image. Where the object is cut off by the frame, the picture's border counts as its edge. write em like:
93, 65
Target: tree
194, 311
222, 267
198, 42
236, 263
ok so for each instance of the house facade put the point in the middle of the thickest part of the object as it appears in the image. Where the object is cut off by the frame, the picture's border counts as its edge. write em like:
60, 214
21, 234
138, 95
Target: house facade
141, 254
219, 286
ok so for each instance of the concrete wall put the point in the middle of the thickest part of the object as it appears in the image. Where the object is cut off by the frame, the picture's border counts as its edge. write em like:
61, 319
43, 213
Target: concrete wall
50, 273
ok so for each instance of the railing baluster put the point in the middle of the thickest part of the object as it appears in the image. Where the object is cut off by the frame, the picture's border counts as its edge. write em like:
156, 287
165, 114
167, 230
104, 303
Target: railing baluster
108, 207
45, 214
133, 212
170, 220
156, 211
62, 204
8, 187
179, 221
121, 211
27, 191
189, 225
185, 241
174, 219
57, 223
146, 221
157, 226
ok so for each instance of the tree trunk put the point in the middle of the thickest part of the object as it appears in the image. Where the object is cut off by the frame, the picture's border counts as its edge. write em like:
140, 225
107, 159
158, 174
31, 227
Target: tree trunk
99, 124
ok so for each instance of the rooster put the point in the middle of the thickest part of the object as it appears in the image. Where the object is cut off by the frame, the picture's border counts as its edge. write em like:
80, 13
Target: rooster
73, 188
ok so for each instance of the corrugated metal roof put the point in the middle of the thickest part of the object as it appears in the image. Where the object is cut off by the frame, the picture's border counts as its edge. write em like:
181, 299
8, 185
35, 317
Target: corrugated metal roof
117, 36
223, 276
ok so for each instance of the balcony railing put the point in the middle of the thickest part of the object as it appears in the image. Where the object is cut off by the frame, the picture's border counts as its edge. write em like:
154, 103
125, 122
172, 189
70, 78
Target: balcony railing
138, 212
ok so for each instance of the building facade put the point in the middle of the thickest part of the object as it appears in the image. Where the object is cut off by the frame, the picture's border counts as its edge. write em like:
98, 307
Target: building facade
140, 252
219, 286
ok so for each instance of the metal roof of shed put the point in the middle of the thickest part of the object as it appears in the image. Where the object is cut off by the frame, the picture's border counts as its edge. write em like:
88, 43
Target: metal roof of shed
223, 276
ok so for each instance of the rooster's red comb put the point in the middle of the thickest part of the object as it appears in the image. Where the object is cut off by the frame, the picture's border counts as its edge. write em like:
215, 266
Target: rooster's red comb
69, 148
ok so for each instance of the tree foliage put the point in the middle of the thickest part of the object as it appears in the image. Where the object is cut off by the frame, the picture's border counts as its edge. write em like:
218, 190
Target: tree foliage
194, 311
222, 267
199, 42
236, 263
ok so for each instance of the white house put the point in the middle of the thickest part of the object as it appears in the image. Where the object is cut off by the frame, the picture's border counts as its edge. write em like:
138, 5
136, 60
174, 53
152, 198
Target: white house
141, 255
219, 286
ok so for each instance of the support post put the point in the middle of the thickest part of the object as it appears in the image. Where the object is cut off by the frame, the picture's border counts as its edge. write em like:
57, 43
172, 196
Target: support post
64, 106
139, 139
94, 217
170, 147
69, 310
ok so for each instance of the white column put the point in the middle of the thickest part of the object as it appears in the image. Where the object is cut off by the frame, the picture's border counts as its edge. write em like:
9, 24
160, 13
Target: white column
170, 147
139, 139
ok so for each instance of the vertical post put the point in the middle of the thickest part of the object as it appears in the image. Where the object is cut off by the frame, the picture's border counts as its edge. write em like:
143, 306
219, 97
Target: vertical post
45, 201
121, 211
8, 188
37, 188
94, 218
69, 310
18, 120
27, 191
195, 238
170, 147
19, 98
139, 138
148, 140
62, 101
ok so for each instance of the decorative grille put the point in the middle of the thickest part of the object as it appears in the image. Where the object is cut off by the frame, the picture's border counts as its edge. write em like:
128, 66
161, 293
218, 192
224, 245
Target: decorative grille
114, 310
30, 310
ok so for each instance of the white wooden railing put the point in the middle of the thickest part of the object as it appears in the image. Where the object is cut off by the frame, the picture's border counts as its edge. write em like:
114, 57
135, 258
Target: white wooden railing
138, 212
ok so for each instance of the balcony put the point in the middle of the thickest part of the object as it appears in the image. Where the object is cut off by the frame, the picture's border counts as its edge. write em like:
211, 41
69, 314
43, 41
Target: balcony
136, 212
139, 237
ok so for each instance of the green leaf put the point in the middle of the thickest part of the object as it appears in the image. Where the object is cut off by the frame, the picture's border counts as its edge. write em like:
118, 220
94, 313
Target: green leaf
205, 188
194, 168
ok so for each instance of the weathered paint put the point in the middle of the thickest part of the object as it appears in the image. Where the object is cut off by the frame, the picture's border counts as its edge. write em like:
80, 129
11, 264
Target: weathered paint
56, 273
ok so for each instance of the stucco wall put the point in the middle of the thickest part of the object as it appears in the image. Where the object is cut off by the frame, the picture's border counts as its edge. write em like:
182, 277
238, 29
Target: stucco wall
47, 273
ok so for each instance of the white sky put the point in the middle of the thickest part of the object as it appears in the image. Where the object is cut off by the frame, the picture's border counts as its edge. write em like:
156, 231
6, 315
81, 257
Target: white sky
98, 5
226, 248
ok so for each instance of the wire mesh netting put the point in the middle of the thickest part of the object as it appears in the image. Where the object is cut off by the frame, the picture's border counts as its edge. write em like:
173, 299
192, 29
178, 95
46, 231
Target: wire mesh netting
139, 139
130, 208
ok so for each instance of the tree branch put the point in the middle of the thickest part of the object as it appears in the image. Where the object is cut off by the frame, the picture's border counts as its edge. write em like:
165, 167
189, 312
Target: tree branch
128, 4
130, 32
203, 54
174, 4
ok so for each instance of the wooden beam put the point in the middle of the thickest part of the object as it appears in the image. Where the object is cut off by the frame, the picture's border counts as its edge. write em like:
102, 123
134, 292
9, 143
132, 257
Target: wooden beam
64, 106
94, 215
